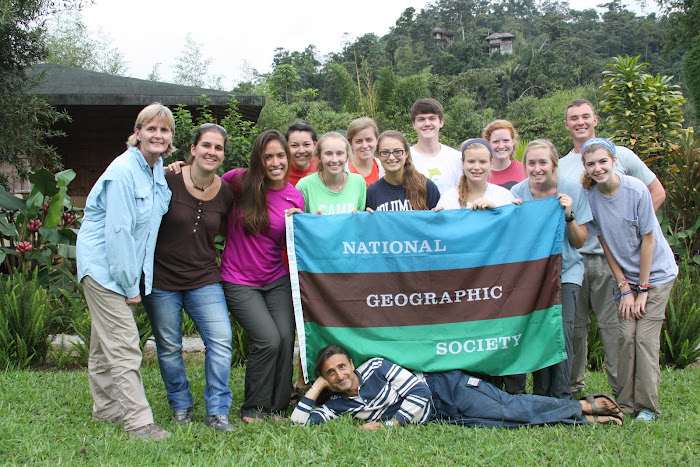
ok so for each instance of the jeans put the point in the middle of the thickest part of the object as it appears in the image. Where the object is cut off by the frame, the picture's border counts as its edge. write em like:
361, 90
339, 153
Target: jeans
207, 308
267, 315
462, 399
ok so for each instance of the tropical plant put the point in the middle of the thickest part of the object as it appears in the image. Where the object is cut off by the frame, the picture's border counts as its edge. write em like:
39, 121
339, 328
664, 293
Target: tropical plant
41, 230
680, 335
644, 112
26, 311
682, 223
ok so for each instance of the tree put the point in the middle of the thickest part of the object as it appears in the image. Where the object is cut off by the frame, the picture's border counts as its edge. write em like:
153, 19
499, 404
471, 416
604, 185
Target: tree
192, 67
25, 120
644, 111
69, 42
283, 81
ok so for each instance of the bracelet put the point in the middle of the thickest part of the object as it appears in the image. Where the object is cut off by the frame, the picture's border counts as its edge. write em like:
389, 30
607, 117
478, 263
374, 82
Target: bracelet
622, 284
642, 287
622, 294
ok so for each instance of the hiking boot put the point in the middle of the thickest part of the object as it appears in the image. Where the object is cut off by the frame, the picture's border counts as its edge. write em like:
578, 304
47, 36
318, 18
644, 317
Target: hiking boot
218, 422
150, 432
184, 416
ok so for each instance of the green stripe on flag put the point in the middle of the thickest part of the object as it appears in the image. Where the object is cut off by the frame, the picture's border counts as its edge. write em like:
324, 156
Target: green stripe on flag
503, 346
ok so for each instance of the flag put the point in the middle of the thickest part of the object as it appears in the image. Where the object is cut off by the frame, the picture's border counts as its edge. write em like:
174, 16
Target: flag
432, 291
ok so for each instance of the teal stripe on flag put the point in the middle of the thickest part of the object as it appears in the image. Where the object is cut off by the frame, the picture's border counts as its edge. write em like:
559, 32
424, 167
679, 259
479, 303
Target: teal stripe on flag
427, 240
487, 346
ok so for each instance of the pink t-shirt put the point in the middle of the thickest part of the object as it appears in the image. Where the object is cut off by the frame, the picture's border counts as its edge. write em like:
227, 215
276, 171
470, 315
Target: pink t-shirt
509, 177
257, 259
295, 175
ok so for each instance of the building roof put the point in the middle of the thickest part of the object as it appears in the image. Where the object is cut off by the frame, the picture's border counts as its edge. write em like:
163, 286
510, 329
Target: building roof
68, 86
442, 31
500, 35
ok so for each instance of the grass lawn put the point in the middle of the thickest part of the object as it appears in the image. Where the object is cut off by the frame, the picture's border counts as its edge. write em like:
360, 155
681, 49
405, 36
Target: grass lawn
45, 419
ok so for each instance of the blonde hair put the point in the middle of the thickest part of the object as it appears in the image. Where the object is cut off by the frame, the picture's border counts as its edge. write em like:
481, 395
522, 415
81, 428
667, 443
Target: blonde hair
502, 125
463, 186
546, 144
155, 111
323, 139
360, 124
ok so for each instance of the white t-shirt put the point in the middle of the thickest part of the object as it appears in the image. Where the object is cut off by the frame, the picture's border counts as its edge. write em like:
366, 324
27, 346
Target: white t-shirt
628, 163
444, 169
495, 193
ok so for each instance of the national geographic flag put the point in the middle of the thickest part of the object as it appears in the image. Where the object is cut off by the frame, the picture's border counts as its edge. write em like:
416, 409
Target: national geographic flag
432, 291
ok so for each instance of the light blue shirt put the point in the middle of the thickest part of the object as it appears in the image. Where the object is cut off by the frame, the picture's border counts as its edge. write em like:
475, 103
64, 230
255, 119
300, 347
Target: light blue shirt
571, 259
118, 235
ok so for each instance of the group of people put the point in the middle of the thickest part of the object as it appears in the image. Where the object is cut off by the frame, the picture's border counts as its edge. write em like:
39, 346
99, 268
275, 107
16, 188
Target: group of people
148, 235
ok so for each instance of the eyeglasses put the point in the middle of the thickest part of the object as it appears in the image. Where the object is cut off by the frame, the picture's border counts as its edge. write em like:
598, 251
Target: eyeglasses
386, 153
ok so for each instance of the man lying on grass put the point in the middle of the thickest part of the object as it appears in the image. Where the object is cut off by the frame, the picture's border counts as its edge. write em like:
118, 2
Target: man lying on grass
386, 394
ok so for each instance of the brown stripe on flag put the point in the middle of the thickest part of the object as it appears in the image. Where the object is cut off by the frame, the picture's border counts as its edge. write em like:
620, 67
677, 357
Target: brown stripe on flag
458, 295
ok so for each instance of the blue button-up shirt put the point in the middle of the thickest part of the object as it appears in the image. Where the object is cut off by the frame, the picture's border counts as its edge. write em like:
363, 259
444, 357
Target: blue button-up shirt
118, 235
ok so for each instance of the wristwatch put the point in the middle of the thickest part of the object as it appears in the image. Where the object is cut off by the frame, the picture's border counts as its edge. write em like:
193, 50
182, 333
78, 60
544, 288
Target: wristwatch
570, 218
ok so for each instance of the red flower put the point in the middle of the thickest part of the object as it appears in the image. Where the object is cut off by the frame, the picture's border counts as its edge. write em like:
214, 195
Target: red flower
23, 247
33, 225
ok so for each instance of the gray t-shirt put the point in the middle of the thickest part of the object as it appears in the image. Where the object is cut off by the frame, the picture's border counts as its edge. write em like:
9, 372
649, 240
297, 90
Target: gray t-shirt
622, 219
571, 259
628, 163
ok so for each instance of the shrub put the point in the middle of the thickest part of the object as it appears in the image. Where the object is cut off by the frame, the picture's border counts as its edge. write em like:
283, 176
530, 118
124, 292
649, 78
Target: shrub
26, 310
680, 336
683, 198
41, 230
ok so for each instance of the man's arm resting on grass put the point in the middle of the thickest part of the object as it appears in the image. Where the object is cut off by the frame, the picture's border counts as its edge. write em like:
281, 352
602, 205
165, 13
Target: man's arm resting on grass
304, 413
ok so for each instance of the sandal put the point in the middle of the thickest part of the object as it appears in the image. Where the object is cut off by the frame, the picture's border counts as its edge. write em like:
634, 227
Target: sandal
595, 410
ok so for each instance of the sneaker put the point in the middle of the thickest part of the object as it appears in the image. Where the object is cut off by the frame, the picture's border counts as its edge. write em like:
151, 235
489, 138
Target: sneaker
150, 432
645, 416
218, 422
184, 416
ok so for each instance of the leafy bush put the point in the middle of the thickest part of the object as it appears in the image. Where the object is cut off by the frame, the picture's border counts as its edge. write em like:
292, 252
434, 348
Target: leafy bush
26, 314
680, 336
596, 353
41, 230
683, 198
241, 133
644, 111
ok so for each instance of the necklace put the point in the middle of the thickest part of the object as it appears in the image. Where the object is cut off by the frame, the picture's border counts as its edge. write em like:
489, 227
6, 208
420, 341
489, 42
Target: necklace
200, 188
334, 188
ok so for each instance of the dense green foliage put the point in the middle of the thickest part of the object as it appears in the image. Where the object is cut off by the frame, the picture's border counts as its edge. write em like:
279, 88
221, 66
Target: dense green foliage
556, 50
25, 120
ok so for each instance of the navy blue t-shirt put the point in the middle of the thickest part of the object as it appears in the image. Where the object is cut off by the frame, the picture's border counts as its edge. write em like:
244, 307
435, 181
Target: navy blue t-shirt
383, 196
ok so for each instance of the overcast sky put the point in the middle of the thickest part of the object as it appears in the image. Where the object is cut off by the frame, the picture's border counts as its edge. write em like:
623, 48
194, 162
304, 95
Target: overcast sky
236, 33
